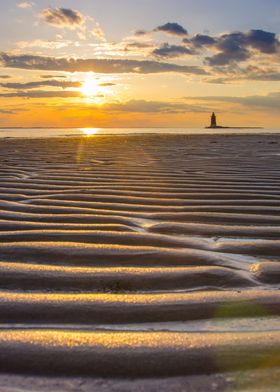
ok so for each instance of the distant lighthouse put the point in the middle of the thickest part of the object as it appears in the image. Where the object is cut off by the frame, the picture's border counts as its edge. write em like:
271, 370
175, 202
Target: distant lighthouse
214, 125
213, 121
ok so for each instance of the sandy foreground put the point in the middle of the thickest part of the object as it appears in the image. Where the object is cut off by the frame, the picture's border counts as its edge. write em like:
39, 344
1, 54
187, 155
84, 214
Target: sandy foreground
140, 263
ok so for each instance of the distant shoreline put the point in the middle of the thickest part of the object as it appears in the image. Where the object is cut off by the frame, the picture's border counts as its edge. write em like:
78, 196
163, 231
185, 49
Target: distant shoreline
220, 127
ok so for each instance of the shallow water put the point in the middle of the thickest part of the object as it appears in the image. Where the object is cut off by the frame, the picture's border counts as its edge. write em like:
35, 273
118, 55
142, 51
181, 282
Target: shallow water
117, 248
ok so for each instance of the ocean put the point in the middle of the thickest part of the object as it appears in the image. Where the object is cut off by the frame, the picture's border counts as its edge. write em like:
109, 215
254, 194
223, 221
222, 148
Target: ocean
61, 132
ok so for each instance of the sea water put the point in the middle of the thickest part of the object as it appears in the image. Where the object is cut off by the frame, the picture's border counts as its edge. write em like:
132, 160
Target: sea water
64, 132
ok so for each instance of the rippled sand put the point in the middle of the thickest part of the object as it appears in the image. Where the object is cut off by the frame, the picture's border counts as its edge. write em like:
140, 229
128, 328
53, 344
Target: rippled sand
140, 256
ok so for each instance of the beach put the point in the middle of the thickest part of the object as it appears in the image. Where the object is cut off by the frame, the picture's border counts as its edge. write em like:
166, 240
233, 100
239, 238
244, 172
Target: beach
140, 257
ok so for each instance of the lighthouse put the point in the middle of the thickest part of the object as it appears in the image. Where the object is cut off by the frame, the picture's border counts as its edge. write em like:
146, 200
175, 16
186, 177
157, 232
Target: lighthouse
213, 121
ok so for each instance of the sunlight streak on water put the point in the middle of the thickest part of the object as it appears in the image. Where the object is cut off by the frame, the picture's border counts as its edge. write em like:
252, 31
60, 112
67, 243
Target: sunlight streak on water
90, 131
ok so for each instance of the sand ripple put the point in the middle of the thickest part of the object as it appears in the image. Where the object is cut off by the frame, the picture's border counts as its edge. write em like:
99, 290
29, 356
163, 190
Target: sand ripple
139, 235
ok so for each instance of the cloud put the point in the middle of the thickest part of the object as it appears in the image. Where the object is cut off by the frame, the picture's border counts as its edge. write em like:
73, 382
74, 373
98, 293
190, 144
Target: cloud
52, 76
219, 80
266, 77
5, 76
229, 48
110, 66
141, 33
6, 111
172, 29
269, 101
109, 84
38, 43
138, 45
43, 94
49, 83
13, 110
200, 40
25, 5
63, 17
272, 76
232, 49
99, 33
171, 51
251, 72
236, 47
142, 106
263, 41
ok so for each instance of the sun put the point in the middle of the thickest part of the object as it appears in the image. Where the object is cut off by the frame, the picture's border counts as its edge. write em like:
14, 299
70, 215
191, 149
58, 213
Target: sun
89, 87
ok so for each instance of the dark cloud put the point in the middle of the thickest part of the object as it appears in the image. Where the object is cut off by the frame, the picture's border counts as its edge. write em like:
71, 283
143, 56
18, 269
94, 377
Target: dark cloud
200, 40
237, 74
31, 85
236, 46
52, 76
173, 29
228, 57
265, 77
138, 45
232, 49
62, 17
171, 51
219, 80
263, 41
110, 66
43, 94
5, 76
140, 33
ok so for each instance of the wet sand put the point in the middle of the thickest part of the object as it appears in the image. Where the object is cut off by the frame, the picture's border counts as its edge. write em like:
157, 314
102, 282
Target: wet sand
249, 381
140, 256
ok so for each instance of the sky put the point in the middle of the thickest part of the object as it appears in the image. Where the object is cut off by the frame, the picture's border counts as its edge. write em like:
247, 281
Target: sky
139, 63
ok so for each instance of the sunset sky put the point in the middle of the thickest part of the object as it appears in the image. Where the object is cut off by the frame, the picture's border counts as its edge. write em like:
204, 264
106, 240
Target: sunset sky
139, 63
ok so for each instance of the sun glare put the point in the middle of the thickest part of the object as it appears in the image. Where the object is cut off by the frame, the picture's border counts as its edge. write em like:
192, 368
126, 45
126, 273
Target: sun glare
90, 131
89, 87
